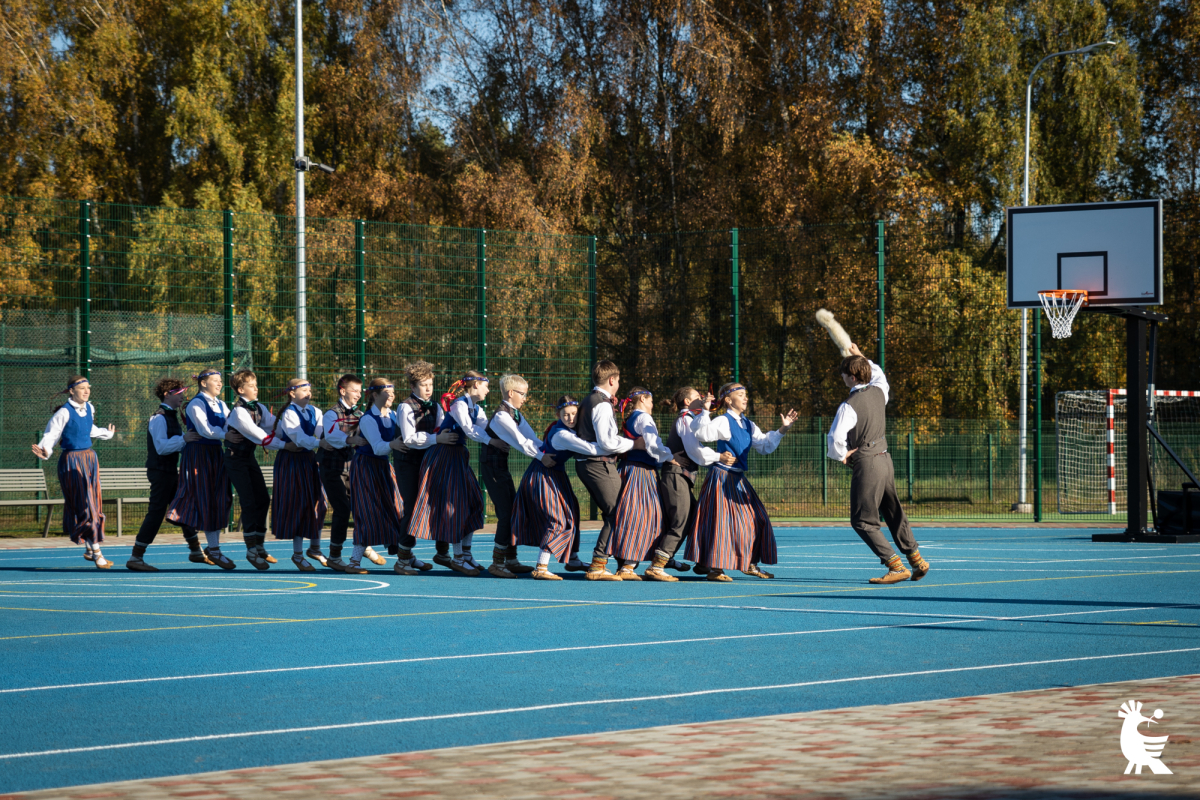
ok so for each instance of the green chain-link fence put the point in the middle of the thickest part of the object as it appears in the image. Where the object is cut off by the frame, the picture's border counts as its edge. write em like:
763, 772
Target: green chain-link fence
128, 294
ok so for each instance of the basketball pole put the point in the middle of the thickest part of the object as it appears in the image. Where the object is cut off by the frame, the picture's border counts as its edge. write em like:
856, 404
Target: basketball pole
1022, 505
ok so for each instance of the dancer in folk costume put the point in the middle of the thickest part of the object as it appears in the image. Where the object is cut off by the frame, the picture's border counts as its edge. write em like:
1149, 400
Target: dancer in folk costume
298, 506
677, 482
420, 419
858, 438
449, 504
508, 426
203, 498
637, 519
374, 496
78, 469
546, 511
339, 437
248, 427
597, 425
732, 529
164, 440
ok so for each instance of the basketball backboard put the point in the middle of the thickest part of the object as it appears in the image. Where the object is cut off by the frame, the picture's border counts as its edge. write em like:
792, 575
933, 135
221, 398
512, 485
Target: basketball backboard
1113, 250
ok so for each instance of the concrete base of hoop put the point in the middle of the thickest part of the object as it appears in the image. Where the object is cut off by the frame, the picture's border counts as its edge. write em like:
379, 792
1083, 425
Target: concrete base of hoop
1022, 508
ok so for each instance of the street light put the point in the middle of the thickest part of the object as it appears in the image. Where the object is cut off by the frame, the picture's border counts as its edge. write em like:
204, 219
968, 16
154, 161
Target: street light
1021, 505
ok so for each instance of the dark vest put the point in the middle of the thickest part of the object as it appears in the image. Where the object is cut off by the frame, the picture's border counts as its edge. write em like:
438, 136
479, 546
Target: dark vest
338, 458
868, 434
584, 428
675, 445
639, 457
424, 422
235, 443
493, 456
169, 462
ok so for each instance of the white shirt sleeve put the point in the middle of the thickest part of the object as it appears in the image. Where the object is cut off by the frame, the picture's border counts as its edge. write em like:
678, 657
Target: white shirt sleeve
609, 440
330, 430
764, 443
843, 422
163, 445
241, 421
568, 441
413, 438
54, 430
523, 440
291, 425
98, 432
195, 412
461, 412
370, 432
880, 380
655, 447
704, 456
711, 429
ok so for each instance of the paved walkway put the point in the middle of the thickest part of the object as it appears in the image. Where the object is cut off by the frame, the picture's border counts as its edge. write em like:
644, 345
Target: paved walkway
1057, 743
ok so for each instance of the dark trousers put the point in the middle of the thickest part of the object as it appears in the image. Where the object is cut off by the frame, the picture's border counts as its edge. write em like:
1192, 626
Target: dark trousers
603, 483
163, 484
872, 492
335, 477
246, 476
408, 479
679, 510
499, 483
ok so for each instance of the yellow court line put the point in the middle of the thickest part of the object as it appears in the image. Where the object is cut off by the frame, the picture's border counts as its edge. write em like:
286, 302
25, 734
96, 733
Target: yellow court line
565, 605
294, 621
142, 613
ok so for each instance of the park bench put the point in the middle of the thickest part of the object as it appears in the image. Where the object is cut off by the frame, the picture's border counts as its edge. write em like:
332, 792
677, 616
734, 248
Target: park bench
133, 479
28, 481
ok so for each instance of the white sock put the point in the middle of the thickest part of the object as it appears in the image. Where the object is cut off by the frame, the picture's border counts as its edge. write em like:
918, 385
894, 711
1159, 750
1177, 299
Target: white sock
458, 549
214, 539
544, 558
297, 544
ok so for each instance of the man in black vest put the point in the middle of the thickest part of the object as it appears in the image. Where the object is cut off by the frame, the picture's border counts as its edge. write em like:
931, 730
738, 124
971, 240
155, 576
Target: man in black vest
857, 438
164, 440
250, 424
339, 437
598, 425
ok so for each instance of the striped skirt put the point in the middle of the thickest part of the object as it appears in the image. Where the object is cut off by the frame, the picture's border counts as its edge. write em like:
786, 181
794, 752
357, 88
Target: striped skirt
298, 501
375, 501
449, 504
546, 511
83, 511
637, 519
732, 529
203, 497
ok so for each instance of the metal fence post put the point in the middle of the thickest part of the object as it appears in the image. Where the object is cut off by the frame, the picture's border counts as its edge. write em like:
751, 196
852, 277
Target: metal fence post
85, 289
880, 233
991, 496
734, 268
227, 235
1037, 415
824, 463
912, 460
360, 298
591, 301
481, 281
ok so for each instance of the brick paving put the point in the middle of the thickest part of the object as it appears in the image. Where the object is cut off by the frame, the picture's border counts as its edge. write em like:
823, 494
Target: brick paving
1056, 743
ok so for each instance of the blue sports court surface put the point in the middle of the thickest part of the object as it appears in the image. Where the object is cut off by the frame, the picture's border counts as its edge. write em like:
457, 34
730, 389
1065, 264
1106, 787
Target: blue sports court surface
114, 675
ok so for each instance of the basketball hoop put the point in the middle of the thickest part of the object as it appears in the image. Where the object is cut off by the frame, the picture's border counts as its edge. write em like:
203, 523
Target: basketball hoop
1061, 306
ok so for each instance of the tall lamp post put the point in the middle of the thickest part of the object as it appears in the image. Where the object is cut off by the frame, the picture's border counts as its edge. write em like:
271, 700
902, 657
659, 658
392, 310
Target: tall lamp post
302, 164
1022, 504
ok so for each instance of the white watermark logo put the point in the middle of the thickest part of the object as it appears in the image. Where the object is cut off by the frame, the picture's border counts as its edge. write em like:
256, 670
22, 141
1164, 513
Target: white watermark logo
1141, 750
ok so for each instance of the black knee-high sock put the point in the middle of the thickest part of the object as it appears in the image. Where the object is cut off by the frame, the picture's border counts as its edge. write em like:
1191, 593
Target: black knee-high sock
139, 549
193, 541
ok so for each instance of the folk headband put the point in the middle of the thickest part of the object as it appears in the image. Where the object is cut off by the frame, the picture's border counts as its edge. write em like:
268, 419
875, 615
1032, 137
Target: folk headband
629, 399
730, 390
176, 391
566, 403
206, 373
72, 385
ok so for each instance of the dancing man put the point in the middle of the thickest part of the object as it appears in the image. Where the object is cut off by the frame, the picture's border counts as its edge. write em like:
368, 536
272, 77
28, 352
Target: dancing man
858, 438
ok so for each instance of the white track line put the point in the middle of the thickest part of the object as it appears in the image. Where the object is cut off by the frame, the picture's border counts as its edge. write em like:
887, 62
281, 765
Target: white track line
582, 703
579, 648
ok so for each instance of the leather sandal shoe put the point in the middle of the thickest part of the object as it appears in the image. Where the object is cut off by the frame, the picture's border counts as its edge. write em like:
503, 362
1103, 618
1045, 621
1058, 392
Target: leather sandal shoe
626, 573
301, 564
374, 557
892, 576
541, 573
400, 568
575, 565
500, 571
198, 557
219, 559
137, 565
719, 576
442, 559
256, 560
758, 573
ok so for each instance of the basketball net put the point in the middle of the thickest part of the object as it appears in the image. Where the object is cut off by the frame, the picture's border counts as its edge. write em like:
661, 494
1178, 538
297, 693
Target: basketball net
1061, 306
